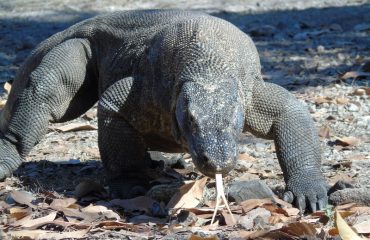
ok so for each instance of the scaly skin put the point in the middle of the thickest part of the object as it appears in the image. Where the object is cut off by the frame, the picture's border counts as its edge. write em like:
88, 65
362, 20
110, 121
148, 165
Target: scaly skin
166, 80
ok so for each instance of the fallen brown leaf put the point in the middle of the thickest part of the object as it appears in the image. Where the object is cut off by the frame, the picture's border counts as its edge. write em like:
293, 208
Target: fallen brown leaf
363, 210
363, 227
23, 197
320, 100
2, 103
74, 127
60, 204
359, 92
19, 213
354, 74
299, 229
347, 141
345, 206
42, 234
277, 218
31, 223
91, 213
90, 115
7, 87
345, 232
325, 132
189, 195
99, 212
246, 157
342, 100
250, 204
114, 225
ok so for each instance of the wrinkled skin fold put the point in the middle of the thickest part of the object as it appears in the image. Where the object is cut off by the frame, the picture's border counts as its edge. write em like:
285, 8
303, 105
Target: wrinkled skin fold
165, 80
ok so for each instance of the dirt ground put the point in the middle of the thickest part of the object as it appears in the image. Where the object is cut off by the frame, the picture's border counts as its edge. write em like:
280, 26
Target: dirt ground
319, 50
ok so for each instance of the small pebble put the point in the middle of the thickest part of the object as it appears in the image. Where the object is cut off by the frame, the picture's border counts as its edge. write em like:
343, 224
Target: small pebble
353, 107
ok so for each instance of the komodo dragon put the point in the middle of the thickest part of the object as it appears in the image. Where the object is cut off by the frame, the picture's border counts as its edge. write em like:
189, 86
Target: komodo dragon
165, 80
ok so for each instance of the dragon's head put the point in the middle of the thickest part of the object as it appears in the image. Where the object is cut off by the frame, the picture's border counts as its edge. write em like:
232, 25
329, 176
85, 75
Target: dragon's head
210, 120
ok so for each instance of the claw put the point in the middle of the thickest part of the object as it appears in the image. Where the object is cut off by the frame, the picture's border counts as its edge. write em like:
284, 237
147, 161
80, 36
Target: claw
322, 203
288, 197
301, 203
313, 206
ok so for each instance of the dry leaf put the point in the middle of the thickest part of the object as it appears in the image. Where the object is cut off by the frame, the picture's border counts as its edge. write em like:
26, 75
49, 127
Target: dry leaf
345, 232
91, 213
23, 197
74, 127
363, 210
282, 203
277, 218
37, 222
299, 229
291, 211
19, 213
7, 87
90, 115
347, 141
342, 100
98, 212
321, 100
42, 234
114, 225
359, 92
325, 132
345, 206
250, 204
2, 103
246, 157
60, 204
354, 74
189, 195
363, 228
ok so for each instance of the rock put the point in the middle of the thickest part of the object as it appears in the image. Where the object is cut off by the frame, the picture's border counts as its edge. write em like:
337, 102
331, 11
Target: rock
185, 218
347, 195
242, 166
260, 147
243, 190
259, 215
320, 49
352, 107
163, 192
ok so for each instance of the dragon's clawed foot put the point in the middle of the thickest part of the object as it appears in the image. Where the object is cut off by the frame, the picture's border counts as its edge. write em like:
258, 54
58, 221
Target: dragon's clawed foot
307, 190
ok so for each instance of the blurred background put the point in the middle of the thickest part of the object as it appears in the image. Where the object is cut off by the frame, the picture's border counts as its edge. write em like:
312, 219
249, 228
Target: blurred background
305, 42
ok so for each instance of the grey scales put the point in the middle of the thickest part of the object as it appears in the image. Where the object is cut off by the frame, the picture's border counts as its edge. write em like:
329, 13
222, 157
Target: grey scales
164, 80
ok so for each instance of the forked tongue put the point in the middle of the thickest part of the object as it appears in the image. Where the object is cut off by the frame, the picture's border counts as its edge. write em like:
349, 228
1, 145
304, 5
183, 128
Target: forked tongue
221, 196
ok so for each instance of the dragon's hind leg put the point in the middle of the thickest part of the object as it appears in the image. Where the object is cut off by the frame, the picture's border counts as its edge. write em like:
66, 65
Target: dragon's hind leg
60, 88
